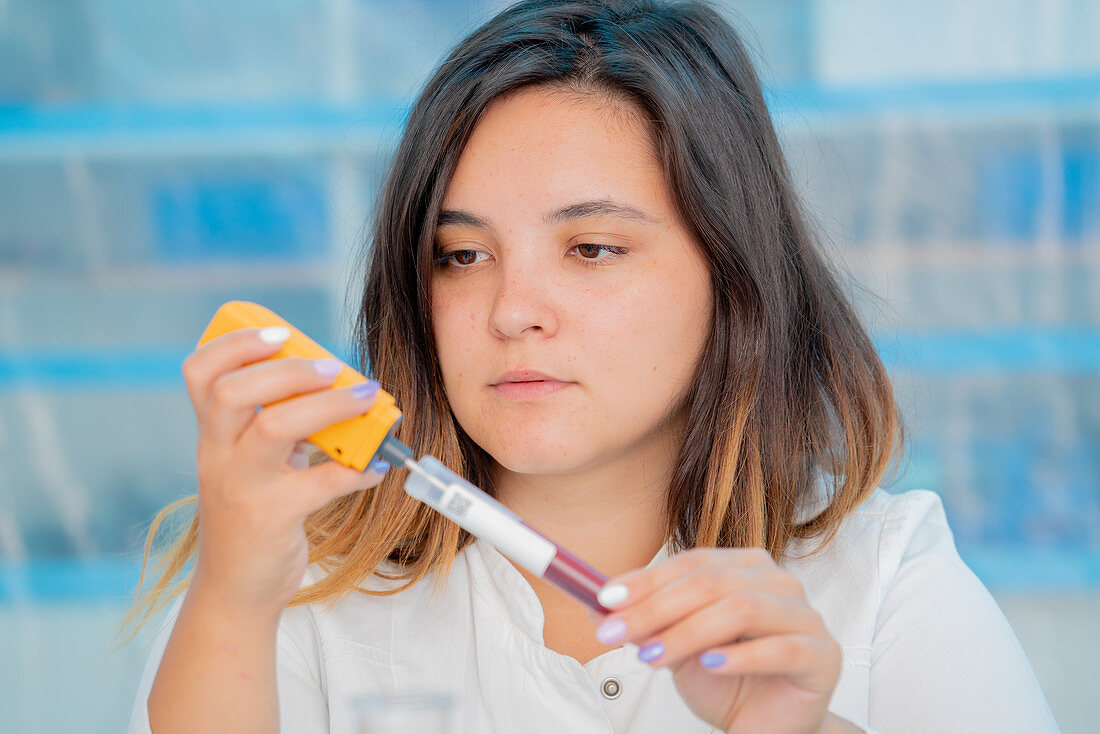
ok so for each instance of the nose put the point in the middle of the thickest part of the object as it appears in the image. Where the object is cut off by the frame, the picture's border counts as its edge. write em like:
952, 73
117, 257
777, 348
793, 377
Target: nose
523, 304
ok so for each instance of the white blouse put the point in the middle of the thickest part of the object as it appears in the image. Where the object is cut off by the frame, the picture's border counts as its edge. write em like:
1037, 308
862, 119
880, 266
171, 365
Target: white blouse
925, 647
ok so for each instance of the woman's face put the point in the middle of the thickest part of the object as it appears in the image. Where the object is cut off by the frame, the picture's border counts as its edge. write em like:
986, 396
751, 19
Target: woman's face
570, 304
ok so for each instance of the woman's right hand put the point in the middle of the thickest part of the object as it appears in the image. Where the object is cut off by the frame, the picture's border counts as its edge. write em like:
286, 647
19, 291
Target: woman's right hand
253, 497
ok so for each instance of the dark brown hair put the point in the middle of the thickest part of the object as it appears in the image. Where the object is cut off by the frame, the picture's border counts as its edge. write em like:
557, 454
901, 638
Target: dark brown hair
789, 388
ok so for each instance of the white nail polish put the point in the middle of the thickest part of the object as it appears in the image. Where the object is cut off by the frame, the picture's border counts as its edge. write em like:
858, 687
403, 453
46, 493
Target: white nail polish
612, 595
274, 334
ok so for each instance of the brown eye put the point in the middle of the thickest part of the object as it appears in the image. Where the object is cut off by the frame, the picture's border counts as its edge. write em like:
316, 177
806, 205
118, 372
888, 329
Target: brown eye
599, 254
458, 259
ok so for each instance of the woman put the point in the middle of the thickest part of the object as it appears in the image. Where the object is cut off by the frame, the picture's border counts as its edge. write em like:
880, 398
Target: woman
592, 291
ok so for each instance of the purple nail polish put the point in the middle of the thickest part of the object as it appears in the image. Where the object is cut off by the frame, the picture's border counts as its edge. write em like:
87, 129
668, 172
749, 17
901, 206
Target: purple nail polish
651, 652
328, 367
611, 631
712, 659
365, 389
380, 466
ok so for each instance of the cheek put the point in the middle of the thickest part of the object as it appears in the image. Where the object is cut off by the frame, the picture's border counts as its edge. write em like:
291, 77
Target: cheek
646, 341
456, 324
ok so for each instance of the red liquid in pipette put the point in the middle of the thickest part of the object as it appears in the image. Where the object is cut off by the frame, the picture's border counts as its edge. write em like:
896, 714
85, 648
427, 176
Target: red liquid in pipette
575, 577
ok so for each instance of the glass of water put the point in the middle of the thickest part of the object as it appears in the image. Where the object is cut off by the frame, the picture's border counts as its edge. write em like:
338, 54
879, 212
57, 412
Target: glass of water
419, 712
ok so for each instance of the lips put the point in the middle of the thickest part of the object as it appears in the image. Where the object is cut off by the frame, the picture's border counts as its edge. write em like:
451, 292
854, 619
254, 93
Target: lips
527, 385
525, 376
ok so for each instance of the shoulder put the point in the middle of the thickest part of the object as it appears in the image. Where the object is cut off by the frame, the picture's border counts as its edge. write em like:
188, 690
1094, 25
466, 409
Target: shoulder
376, 597
905, 530
890, 525
356, 624
909, 508
936, 633
849, 576
366, 617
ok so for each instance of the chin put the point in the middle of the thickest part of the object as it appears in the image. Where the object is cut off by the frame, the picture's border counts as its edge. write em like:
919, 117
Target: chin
538, 455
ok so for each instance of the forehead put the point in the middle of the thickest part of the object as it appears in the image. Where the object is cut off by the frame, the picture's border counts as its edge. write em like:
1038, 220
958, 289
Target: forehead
542, 147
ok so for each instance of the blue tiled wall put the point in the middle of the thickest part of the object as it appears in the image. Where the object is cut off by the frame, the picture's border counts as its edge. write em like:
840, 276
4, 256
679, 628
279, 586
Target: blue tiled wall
142, 186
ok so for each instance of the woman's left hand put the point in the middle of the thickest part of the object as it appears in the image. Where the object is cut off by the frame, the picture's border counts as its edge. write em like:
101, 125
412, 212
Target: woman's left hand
747, 651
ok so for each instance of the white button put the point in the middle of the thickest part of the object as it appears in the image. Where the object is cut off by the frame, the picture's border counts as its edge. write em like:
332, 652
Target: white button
611, 688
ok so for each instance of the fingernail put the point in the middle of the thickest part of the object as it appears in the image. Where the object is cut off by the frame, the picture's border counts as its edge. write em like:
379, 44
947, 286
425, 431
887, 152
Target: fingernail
651, 652
712, 659
613, 595
274, 334
328, 367
299, 460
611, 631
380, 466
365, 389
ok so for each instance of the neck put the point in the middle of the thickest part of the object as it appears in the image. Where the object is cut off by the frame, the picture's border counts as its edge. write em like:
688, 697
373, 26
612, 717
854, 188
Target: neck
612, 515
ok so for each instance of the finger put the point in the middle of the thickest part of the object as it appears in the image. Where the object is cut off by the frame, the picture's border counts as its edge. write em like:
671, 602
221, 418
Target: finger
631, 587
274, 432
305, 454
235, 395
299, 459
319, 485
224, 354
681, 598
810, 661
737, 616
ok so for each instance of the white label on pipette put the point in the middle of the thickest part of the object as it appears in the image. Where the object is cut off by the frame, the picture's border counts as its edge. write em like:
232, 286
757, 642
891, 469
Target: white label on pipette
499, 529
457, 505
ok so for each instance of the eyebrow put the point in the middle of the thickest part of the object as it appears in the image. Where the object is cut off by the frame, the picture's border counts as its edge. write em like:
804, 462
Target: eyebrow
596, 207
